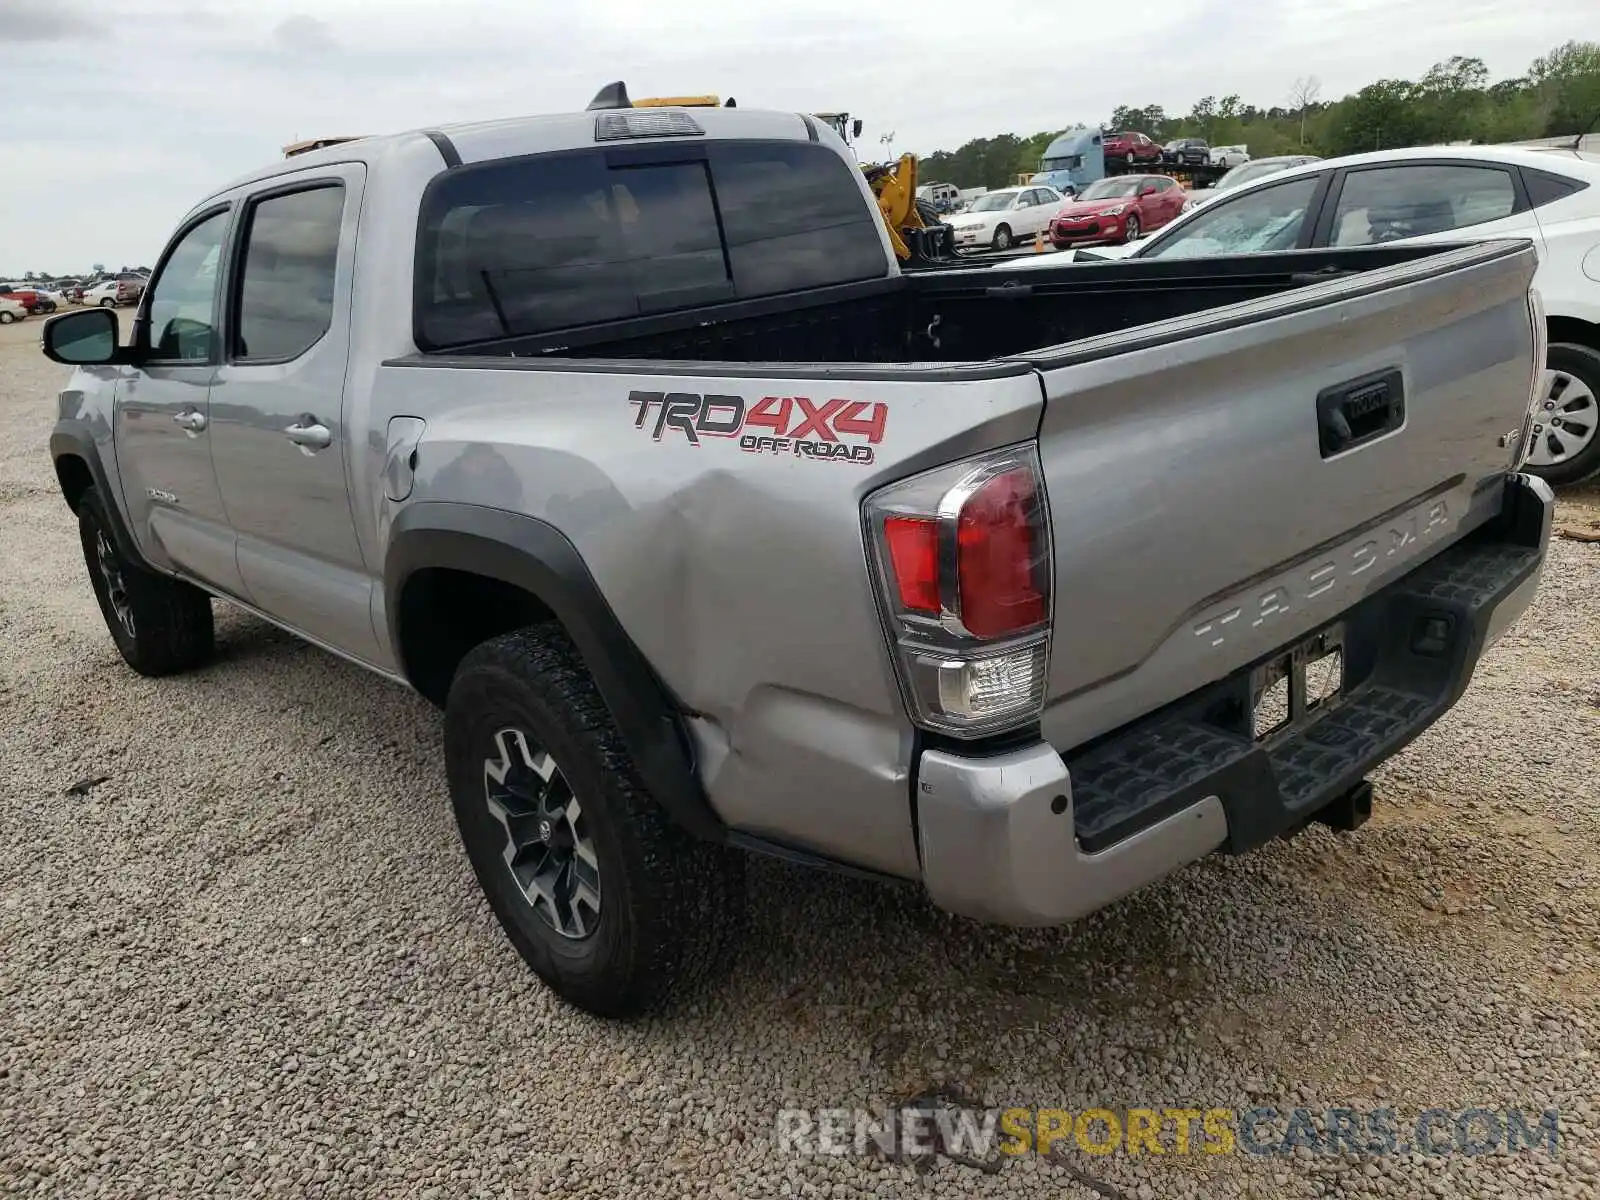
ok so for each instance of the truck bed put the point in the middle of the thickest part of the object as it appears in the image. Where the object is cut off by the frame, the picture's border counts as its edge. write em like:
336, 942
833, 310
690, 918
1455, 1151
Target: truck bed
970, 312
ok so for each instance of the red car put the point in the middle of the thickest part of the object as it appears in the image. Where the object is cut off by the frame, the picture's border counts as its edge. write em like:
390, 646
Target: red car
1130, 148
1117, 210
30, 299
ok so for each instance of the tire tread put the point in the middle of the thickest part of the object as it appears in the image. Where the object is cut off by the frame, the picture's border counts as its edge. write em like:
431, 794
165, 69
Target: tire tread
174, 629
688, 894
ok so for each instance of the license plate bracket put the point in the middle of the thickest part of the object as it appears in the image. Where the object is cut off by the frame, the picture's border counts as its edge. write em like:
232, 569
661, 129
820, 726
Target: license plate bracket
1292, 688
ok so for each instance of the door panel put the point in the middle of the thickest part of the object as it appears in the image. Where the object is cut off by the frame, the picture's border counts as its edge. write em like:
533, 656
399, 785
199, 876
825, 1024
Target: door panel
1044, 211
278, 429
162, 414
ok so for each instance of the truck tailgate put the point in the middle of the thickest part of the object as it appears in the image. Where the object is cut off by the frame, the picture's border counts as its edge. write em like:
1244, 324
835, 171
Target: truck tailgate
1223, 484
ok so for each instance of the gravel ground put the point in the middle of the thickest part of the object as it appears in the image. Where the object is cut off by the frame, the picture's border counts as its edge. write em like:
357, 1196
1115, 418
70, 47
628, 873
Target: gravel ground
253, 960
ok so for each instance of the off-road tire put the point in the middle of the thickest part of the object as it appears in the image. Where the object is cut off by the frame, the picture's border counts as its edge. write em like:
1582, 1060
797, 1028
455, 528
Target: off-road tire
172, 629
671, 906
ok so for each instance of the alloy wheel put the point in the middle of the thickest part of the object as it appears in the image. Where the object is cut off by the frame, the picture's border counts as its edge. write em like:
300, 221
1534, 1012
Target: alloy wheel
1564, 421
548, 848
116, 586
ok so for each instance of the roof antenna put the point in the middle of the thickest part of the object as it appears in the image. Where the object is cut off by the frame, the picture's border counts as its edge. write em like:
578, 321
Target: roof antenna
613, 95
731, 103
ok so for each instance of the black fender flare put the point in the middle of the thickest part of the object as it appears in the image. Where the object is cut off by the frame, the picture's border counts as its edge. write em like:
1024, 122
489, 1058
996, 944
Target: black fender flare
72, 439
536, 557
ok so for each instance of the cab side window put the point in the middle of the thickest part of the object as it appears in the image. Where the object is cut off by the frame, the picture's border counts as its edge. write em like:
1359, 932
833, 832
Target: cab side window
183, 296
291, 251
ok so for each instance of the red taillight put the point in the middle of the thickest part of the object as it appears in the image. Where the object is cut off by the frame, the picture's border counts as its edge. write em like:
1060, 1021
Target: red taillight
963, 559
914, 555
998, 557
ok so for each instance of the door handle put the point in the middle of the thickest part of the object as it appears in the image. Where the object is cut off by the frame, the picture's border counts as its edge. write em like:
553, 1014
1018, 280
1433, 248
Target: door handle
191, 420
309, 434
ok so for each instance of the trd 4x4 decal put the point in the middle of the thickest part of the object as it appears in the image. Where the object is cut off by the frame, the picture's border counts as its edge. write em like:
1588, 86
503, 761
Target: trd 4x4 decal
818, 429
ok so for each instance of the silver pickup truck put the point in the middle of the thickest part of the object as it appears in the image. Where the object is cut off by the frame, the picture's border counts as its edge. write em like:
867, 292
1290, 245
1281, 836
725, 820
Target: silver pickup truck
620, 436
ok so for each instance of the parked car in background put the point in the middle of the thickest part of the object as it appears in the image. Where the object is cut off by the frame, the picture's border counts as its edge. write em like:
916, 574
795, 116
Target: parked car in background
1446, 194
11, 310
1131, 149
1187, 152
1001, 219
29, 296
107, 294
1249, 172
1117, 210
132, 284
1229, 156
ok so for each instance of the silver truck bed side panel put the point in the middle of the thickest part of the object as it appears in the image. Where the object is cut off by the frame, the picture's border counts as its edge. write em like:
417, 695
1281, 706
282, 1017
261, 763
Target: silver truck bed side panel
740, 573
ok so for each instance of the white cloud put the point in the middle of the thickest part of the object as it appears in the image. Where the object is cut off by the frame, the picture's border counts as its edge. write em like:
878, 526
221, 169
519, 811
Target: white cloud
39, 23
304, 34
135, 109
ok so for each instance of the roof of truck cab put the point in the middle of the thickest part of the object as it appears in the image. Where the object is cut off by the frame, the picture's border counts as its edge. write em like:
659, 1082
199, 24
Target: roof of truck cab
507, 137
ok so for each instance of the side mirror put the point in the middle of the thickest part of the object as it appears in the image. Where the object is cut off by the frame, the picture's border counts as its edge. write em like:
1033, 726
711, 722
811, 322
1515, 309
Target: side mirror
855, 127
1148, 189
83, 339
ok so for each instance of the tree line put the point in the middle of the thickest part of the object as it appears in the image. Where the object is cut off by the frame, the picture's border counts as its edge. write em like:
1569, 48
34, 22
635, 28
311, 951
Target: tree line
47, 276
1454, 101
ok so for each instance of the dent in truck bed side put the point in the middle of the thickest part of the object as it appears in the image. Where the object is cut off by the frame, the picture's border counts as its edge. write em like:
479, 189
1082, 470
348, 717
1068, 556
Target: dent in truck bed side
740, 574
534, 556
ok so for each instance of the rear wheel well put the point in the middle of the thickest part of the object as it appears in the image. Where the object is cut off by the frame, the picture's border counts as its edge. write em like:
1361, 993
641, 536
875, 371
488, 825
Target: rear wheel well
75, 478
1570, 329
444, 613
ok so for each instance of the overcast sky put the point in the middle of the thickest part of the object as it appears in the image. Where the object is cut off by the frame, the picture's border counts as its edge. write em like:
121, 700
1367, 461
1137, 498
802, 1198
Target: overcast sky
120, 114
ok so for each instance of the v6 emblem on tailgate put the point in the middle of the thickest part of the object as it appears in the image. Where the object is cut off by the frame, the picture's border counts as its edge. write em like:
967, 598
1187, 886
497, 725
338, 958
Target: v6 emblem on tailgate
1400, 540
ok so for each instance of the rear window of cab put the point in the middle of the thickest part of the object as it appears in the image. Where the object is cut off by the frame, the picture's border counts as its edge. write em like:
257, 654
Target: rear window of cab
558, 241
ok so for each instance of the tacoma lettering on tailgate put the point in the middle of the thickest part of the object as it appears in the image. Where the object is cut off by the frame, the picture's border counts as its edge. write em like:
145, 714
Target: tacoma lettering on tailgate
846, 430
1321, 575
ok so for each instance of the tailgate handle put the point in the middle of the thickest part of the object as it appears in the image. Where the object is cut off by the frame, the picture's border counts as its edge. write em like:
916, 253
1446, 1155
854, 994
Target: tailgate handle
1355, 413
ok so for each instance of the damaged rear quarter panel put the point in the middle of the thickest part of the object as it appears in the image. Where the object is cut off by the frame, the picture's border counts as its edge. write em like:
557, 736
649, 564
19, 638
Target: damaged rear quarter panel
732, 558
